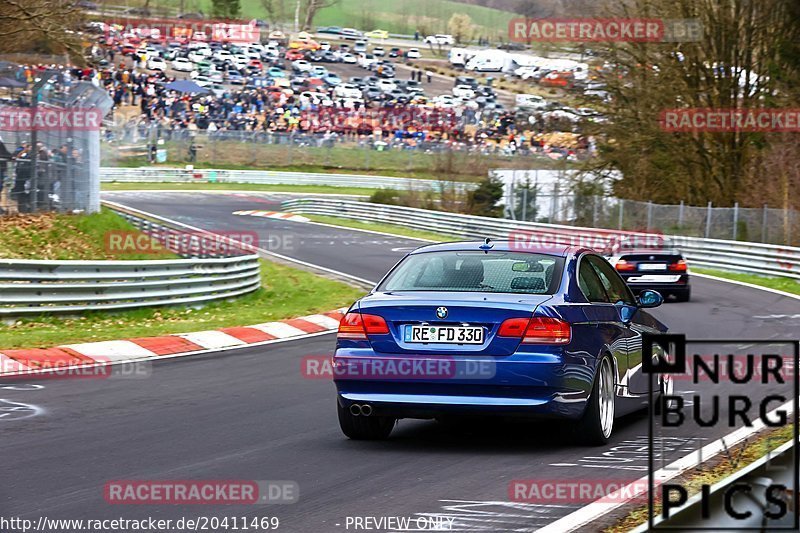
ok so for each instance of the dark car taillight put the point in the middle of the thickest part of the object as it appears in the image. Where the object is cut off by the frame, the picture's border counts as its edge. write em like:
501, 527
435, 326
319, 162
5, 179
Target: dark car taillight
624, 266
355, 326
680, 266
537, 330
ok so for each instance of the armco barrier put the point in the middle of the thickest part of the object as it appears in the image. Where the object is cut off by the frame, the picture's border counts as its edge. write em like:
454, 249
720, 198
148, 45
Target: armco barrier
764, 259
33, 286
267, 177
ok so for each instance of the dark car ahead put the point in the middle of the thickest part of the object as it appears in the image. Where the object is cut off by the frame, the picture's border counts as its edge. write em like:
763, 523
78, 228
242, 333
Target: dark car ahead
660, 267
475, 328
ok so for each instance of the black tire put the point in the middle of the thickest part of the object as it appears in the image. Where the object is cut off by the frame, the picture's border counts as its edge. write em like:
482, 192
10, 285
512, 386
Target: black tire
364, 427
589, 430
683, 296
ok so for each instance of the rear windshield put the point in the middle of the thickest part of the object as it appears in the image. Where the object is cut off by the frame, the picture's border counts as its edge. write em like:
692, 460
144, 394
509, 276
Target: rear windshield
507, 272
655, 255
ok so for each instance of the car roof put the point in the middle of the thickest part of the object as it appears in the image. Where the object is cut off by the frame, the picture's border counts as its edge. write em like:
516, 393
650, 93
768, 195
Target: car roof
502, 246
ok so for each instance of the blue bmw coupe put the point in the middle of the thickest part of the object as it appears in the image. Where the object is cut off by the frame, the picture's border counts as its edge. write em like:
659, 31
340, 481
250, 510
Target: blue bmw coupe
473, 328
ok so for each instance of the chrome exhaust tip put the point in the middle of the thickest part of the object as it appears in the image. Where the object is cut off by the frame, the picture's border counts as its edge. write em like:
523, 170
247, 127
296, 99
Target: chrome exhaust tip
355, 409
366, 409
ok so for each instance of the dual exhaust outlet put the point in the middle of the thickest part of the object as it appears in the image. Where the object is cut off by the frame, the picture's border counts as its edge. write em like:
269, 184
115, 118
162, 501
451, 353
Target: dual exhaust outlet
361, 410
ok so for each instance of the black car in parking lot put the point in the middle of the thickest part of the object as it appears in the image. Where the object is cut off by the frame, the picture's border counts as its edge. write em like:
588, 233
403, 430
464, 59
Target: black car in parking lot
659, 267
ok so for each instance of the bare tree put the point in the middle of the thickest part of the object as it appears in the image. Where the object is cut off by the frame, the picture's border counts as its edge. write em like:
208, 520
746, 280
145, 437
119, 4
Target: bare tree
275, 9
311, 9
51, 23
732, 66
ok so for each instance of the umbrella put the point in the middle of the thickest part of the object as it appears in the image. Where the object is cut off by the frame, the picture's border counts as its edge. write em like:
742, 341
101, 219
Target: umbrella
9, 82
185, 86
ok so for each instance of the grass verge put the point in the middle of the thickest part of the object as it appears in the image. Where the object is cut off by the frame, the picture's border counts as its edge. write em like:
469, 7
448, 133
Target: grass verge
65, 237
206, 186
782, 284
712, 472
377, 226
286, 293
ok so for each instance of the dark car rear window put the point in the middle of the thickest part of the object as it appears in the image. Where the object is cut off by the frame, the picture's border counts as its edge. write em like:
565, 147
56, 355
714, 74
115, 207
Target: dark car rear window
669, 257
506, 272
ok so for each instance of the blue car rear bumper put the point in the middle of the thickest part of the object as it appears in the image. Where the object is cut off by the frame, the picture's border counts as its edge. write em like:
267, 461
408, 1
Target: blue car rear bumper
552, 384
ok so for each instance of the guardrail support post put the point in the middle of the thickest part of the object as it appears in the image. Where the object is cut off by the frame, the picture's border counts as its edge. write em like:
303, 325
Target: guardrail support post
764, 225
680, 214
649, 215
708, 221
735, 219
621, 204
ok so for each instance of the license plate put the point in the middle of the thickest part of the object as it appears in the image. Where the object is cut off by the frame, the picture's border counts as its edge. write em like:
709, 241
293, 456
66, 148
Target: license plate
652, 266
444, 334
653, 278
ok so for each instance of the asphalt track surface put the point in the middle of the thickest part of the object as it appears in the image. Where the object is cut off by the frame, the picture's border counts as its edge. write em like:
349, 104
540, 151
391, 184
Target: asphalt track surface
249, 414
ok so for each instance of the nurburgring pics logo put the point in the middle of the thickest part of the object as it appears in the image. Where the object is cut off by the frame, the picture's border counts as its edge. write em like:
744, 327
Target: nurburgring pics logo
731, 394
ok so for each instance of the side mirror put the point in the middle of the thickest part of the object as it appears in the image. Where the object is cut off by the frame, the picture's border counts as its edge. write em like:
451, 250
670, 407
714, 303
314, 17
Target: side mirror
650, 298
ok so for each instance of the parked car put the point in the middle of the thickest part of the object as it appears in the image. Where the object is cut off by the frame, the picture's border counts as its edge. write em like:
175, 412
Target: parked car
156, 63
351, 34
332, 80
377, 34
440, 39
413, 53
347, 90
182, 64
463, 91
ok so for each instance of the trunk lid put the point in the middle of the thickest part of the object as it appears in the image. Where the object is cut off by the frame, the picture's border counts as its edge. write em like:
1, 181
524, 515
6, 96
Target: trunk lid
415, 308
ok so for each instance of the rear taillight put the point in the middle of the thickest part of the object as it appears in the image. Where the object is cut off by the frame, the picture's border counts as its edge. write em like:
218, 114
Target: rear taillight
375, 325
624, 266
680, 266
356, 326
513, 327
537, 330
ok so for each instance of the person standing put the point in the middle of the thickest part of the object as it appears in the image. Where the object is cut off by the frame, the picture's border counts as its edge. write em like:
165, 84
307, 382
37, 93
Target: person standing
428, 75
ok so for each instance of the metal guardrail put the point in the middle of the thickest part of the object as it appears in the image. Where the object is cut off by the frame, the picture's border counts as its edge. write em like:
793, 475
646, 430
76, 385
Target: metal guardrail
35, 287
756, 258
180, 175
775, 467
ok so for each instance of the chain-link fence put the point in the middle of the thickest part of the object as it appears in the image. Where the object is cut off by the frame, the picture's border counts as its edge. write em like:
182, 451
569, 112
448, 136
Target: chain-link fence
766, 225
407, 154
49, 147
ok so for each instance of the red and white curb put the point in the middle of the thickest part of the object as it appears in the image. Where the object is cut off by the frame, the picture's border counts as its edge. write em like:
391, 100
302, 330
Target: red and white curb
21, 361
273, 214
